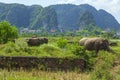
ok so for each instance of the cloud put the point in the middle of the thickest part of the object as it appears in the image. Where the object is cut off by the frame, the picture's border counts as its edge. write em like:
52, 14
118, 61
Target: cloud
65, 1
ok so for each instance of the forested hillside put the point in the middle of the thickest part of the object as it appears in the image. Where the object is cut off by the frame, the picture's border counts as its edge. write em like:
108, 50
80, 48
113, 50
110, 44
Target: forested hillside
65, 17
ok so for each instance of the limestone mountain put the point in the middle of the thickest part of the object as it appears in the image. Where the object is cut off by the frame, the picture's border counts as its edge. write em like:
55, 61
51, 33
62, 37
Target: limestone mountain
67, 17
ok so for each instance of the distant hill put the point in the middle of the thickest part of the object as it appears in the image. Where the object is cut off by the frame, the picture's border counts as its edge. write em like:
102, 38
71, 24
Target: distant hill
56, 17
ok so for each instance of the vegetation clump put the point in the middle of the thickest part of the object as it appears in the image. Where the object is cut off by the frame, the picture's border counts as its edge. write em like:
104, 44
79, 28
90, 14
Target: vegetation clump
62, 43
7, 32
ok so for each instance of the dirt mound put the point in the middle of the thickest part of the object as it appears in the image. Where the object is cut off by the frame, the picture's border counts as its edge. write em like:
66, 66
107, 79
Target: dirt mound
42, 63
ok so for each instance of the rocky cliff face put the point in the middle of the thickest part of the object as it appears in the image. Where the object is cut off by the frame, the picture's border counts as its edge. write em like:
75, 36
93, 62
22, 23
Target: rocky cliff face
56, 17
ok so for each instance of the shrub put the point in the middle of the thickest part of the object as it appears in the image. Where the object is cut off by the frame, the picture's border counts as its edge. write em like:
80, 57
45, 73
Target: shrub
9, 48
79, 51
62, 43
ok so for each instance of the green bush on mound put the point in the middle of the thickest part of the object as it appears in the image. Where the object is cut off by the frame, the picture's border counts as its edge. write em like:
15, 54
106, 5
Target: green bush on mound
62, 43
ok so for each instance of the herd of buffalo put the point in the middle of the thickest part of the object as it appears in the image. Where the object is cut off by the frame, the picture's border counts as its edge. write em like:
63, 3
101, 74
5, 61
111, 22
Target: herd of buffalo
90, 44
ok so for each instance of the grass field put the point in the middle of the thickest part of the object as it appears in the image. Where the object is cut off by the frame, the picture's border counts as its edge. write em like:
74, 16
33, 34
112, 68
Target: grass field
42, 75
106, 66
20, 48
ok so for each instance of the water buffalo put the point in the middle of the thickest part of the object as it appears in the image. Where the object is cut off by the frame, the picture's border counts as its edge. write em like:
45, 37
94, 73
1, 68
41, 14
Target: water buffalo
95, 44
36, 41
82, 41
44, 40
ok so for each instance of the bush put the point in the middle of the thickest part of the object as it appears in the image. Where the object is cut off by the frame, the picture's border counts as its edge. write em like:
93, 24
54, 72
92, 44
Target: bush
7, 32
62, 43
79, 51
9, 48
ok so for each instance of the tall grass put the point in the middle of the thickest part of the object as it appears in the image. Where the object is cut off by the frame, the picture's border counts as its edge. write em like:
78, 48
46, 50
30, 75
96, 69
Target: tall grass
101, 67
42, 75
20, 48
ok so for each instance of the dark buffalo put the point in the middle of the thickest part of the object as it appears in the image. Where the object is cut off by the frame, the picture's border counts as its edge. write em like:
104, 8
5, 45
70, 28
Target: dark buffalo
95, 44
44, 40
36, 41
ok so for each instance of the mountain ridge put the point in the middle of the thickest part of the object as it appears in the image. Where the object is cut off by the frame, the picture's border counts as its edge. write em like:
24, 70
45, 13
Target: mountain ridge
68, 17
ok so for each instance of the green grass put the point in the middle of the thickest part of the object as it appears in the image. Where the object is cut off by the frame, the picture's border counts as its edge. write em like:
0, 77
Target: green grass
102, 67
20, 48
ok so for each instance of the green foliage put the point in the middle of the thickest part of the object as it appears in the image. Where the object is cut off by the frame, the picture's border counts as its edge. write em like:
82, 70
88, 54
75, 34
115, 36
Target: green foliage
20, 49
79, 51
7, 32
99, 67
100, 74
108, 34
102, 67
62, 43
89, 30
50, 50
9, 47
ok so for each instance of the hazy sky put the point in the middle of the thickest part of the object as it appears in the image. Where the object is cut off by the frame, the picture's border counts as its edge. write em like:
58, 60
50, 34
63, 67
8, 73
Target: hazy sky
111, 6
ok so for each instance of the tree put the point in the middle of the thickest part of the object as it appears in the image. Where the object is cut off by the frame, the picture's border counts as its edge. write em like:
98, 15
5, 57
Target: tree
7, 32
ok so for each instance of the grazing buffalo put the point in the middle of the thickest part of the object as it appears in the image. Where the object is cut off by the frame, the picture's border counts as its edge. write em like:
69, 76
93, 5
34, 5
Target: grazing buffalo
95, 44
44, 40
82, 41
36, 41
